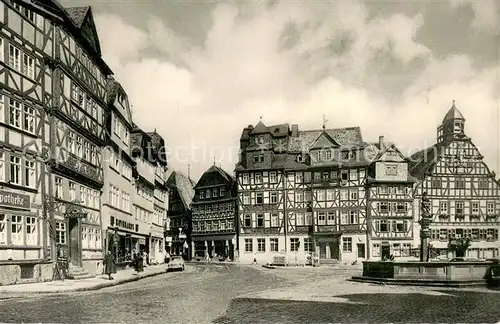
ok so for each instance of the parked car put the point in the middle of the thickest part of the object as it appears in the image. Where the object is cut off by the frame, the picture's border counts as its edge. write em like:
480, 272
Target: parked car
176, 264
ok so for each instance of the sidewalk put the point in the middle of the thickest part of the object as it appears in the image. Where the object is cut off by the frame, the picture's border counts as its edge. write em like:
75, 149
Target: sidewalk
96, 283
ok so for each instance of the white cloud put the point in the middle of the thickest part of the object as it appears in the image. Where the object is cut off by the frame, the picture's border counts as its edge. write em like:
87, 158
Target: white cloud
200, 98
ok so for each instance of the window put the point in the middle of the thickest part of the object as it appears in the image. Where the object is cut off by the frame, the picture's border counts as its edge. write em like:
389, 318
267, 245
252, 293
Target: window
347, 244
436, 183
294, 245
1, 50
72, 191
391, 170
344, 194
15, 113
3, 229
459, 208
274, 220
272, 177
222, 192
30, 177
209, 193
60, 233
383, 207
353, 194
376, 250
321, 195
400, 207
14, 58
383, 226
29, 119
261, 245
260, 220
259, 198
443, 207
321, 218
353, 217
246, 178
399, 226
273, 242
483, 184
247, 222
331, 218
258, 178
58, 187
202, 194
31, 237
15, 169
308, 245
299, 219
299, 177
274, 198
246, 199
258, 158
248, 245
299, 196
17, 230
28, 66
382, 190
490, 208
460, 183
353, 174
475, 208
344, 175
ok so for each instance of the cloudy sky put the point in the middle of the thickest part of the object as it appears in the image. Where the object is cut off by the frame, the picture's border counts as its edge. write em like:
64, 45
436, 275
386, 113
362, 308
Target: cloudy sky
200, 71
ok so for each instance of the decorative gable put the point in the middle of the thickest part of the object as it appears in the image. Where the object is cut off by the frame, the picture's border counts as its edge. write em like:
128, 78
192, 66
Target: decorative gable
390, 154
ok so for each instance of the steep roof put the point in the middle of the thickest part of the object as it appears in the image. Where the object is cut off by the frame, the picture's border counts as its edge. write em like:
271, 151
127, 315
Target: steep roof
453, 113
422, 161
226, 176
77, 14
324, 141
260, 128
184, 186
345, 137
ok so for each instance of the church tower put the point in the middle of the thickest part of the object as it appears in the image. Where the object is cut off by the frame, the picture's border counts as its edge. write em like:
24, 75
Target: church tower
452, 126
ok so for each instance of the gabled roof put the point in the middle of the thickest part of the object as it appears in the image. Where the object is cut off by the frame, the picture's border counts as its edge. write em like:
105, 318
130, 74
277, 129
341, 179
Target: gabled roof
260, 128
346, 137
324, 140
78, 14
453, 113
184, 186
388, 147
423, 161
226, 176
84, 21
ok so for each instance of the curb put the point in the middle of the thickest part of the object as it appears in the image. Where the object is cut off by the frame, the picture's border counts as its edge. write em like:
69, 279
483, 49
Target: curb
110, 283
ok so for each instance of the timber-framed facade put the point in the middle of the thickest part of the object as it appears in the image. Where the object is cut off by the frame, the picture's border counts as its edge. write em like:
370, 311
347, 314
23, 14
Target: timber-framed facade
464, 193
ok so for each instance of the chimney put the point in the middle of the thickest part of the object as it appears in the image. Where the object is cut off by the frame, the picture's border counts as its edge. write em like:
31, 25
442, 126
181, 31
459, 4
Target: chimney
381, 143
295, 130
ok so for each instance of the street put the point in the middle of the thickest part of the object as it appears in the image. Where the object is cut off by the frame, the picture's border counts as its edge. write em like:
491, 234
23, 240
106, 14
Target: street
210, 293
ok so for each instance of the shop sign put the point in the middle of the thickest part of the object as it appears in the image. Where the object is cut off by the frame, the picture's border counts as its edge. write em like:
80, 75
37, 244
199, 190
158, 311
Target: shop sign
125, 225
13, 199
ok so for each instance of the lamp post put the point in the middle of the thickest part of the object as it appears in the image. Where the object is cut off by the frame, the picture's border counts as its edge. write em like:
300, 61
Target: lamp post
425, 221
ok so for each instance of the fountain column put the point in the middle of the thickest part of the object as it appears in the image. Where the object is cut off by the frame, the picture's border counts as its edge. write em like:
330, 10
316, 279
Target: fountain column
425, 232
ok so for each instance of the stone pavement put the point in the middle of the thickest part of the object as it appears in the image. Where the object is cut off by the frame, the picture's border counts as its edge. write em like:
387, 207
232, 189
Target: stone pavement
98, 282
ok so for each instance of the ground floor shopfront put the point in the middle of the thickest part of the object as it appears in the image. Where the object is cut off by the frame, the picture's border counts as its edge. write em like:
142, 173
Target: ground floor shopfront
23, 254
214, 246
124, 239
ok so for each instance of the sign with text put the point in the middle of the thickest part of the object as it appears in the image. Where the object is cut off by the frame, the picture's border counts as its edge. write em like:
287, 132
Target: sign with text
13, 199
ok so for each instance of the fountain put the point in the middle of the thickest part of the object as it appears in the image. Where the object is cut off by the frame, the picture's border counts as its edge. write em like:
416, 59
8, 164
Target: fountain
458, 272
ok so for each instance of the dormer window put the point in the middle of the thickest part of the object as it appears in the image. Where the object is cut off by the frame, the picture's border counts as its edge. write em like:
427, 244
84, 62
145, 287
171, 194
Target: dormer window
300, 158
258, 158
351, 155
259, 140
328, 155
202, 194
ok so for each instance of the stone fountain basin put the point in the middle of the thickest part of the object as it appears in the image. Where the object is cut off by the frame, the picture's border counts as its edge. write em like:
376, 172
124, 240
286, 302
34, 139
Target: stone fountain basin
435, 273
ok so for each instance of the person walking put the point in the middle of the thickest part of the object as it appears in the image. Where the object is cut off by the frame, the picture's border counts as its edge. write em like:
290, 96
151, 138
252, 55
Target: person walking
109, 265
167, 257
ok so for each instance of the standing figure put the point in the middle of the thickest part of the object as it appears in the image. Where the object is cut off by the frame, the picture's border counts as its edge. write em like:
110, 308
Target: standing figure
109, 265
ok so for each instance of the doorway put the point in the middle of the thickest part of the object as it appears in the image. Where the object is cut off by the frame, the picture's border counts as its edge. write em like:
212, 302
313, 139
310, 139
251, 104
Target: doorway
74, 241
385, 252
361, 251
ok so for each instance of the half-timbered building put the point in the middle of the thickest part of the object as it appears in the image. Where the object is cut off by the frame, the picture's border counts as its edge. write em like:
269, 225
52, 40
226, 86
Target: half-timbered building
214, 215
391, 220
299, 192
26, 41
119, 223
76, 116
464, 193
181, 193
